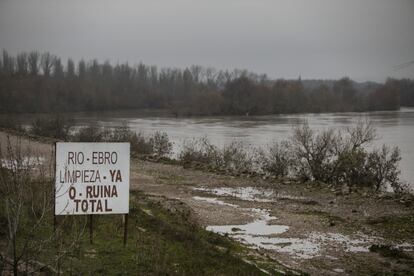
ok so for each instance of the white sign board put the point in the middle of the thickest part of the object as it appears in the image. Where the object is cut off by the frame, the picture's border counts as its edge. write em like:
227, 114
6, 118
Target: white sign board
92, 178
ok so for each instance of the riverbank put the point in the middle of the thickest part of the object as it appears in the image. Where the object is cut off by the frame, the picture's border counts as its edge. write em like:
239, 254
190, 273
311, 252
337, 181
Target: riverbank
310, 228
164, 237
321, 230
262, 131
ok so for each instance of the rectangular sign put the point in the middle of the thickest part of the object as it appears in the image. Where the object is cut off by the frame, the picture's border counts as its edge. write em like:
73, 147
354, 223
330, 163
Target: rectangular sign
92, 178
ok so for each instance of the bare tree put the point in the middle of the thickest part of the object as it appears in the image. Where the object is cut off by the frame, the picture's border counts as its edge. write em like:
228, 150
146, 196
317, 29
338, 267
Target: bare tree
361, 134
26, 192
70, 68
57, 68
8, 63
47, 63
22, 64
33, 60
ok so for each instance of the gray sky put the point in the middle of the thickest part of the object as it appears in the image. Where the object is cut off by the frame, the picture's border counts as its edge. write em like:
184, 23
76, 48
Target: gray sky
312, 38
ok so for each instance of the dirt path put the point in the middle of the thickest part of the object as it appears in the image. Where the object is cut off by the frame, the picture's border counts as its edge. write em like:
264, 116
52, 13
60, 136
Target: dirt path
310, 228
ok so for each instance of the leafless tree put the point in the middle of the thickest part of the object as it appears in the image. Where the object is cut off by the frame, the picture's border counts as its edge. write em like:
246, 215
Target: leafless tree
47, 63
26, 192
33, 60
22, 64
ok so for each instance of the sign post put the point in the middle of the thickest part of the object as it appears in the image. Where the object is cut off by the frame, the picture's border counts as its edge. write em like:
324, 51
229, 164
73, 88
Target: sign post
92, 179
125, 229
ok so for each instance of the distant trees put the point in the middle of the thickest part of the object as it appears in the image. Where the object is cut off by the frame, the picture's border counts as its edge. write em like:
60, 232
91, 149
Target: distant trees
35, 82
404, 88
33, 62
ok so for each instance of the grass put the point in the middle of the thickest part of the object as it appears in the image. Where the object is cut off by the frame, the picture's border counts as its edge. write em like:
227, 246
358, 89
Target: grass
162, 240
388, 251
325, 216
397, 227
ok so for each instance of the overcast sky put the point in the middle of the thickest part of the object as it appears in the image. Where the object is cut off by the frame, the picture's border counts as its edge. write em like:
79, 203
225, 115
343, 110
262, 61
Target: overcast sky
291, 38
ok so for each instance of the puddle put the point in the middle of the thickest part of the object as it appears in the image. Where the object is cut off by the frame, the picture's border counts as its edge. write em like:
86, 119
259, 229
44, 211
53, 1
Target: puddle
214, 200
291, 197
250, 193
257, 228
244, 193
360, 244
262, 234
25, 162
405, 246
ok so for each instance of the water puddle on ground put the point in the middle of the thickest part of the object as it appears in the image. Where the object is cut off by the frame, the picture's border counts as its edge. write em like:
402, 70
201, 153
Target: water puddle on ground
259, 227
25, 162
244, 193
214, 200
261, 233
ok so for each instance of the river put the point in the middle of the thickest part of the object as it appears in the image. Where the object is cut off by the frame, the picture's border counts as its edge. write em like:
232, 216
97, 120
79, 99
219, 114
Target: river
394, 128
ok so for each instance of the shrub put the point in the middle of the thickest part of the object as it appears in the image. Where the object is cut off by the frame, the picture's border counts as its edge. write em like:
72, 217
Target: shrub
139, 143
200, 151
10, 122
161, 145
121, 134
350, 162
276, 160
382, 165
58, 127
341, 158
312, 153
92, 133
236, 157
349, 168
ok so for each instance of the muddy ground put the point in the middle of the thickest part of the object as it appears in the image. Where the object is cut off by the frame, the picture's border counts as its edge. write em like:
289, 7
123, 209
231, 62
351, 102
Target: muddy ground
325, 232
343, 227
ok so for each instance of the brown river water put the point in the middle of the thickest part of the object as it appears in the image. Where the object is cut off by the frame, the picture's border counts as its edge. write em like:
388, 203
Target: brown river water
394, 128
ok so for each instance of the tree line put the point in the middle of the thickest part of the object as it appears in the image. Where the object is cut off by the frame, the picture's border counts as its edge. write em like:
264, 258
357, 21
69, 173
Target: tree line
41, 82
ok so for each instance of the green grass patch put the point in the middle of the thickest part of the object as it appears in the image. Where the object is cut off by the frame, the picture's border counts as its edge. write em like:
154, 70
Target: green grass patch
161, 240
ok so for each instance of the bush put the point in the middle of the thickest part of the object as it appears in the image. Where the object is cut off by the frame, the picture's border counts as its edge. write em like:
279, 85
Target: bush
276, 160
121, 134
10, 122
350, 163
158, 144
91, 133
237, 158
382, 165
161, 145
200, 151
58, 127
234, 156
342, 158
350, 168
312, 153
140, 144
